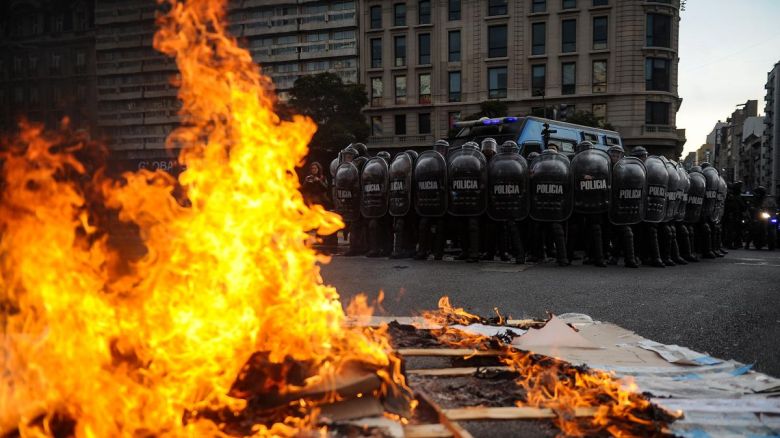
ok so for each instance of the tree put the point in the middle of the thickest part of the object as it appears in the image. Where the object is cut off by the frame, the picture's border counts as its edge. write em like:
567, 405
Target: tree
335, 107
587, 118
491, 109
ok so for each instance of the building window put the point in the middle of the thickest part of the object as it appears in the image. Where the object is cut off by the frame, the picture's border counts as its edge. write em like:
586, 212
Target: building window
497, 7
56, 60
377, 90
424, 12
453, 10
399, 14
454, 46
81, 62
424, 48
32, 65
376, 52
539, 6
57, 23
659, 30
600, 111
376, 126
376, 17
35, 97
568, 78
656, 113
424, 87
569, 36
599, 76
454, 86
497, 82
424, 123
657, 74
538, 31
400, 89
496, 41
400, 50
600, 2
400, 124
569, 4
538, 80
600, 32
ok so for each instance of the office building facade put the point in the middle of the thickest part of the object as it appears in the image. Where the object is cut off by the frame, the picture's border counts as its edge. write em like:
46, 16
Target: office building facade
428, 63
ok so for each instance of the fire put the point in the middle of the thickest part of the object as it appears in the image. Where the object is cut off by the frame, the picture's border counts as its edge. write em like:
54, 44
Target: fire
618, 408
98, 346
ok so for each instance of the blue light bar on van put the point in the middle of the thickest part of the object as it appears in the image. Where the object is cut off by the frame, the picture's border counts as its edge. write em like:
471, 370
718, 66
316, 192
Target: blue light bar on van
486, 122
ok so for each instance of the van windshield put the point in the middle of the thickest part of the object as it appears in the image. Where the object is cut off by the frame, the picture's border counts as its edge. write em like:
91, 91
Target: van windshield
501, 133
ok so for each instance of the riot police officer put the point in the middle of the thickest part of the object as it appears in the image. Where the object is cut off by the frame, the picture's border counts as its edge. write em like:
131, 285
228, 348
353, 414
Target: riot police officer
627, 207
347, 199
508, 195
655, 206
467, 173
705, 229
552, 197
591, 169
400, 204
734, 215
492, 233
430, 199
373, 203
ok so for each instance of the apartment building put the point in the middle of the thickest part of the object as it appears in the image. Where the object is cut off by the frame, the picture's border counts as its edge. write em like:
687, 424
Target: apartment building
427, 63
137, 104
772, 128
47, 63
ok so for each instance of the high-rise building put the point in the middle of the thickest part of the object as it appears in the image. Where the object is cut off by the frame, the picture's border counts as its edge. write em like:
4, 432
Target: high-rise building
427, 64
705, 154
137, 102
728, 148
753, 162
47, 62
772, 130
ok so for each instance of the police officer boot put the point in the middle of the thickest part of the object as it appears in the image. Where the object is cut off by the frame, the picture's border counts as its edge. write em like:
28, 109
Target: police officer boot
516, 241
398, 238
655, 250
665, 245
374, 244
356, 239
675, 249
706, 242
597, 246
628, 248
560, 244
473, 237
684, 244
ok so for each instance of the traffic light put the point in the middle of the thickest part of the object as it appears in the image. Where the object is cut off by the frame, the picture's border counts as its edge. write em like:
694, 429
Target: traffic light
546, 134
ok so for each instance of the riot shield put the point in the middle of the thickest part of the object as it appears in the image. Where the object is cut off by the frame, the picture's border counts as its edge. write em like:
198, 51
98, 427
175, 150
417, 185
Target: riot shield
551, 192
591, 170
720, 203
685, 186
467, 172
507, 186
672, 191
657, 183
347, 191
629, 192
712, 180
374, 183
430, 184
695, 197
400, 185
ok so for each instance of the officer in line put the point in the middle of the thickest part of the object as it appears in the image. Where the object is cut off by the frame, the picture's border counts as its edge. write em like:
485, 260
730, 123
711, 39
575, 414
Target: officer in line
627, 204
430, 196
551, 198
592, 173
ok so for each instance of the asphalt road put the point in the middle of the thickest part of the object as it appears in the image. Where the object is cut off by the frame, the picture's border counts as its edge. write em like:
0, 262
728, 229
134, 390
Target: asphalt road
728, 307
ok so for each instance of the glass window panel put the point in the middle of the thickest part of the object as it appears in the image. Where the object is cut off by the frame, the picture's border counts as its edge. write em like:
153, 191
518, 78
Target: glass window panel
424, 48
376, 17
497, 82
454, 86
454, 46
424, 123
568, 78
400, 50
400, 124
424, 12
399, 14
569, 36
424, 88
600, 33
599, 76
538, 80
376, 52
497, 7
497, 41
538, 38
400, 89
453, 10
539, 6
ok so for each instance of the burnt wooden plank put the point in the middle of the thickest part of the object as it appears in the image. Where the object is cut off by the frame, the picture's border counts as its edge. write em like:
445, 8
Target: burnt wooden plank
509, 413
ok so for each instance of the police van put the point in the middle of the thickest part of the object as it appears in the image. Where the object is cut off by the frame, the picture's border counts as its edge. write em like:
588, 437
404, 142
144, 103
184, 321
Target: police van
528, 132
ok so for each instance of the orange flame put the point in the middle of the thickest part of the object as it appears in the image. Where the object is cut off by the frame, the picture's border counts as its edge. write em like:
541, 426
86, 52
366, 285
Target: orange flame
618, 407
134, 351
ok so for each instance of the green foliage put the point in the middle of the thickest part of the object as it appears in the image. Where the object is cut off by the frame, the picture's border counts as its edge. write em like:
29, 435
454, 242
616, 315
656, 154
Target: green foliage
335, 107
491, 109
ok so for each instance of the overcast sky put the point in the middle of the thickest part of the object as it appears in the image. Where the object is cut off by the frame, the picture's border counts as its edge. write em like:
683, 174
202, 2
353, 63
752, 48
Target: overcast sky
726, 49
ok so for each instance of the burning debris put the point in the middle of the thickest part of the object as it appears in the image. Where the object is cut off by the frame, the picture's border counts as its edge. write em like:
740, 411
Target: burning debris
223, 327
151, 348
